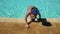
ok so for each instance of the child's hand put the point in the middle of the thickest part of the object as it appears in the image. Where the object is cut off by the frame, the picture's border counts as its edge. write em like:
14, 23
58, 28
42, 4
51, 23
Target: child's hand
27, 26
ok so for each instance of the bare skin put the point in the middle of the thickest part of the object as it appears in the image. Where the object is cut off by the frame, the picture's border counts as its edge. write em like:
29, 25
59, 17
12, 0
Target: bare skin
31, 16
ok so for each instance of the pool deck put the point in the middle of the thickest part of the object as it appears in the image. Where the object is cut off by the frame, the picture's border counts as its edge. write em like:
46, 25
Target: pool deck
17, 26
54, 20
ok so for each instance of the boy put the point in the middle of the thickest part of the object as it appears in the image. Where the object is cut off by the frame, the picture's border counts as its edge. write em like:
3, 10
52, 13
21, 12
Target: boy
32, 12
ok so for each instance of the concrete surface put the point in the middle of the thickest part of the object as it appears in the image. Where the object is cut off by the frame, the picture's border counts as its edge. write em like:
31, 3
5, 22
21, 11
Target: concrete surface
36, 28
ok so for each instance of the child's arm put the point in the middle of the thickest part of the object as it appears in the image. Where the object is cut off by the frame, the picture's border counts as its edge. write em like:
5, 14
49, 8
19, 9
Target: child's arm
26, 17
39, 15
27, 25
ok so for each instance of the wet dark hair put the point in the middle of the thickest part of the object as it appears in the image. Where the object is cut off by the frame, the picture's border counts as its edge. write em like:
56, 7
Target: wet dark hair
33, 8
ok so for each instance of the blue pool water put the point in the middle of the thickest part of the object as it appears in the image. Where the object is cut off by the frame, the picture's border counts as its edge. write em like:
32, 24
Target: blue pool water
18, 8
